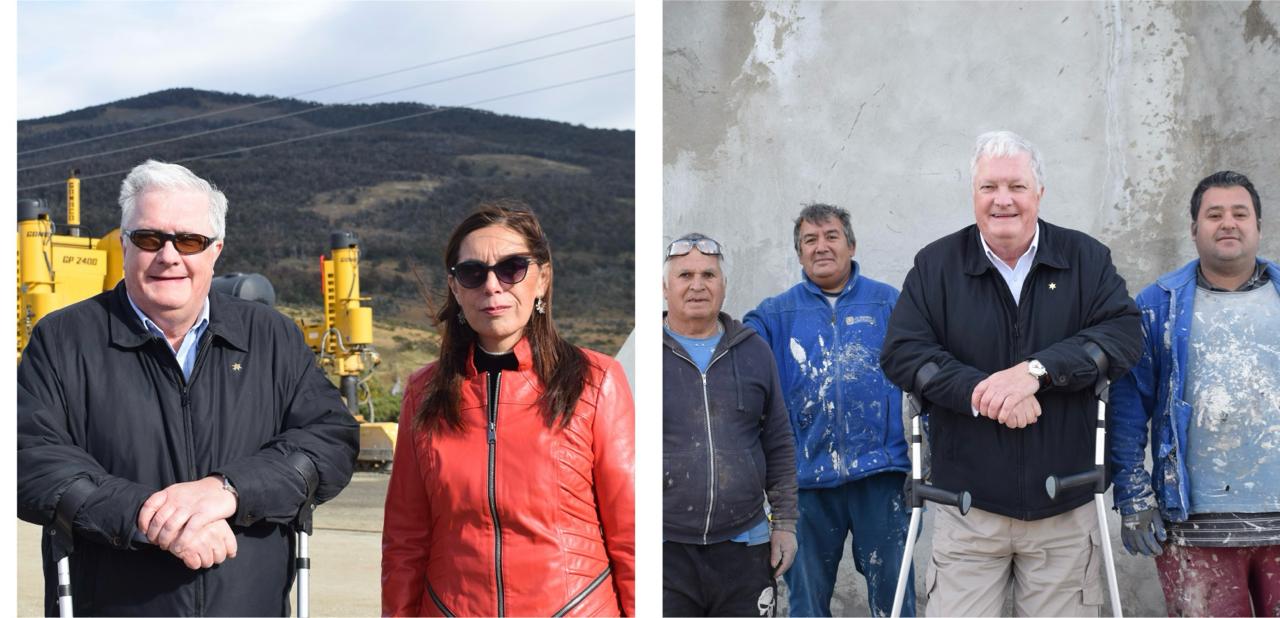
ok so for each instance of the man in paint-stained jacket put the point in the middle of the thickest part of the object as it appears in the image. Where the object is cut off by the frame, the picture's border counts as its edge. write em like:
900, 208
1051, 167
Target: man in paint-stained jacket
726, 444
826, 333
1207, 387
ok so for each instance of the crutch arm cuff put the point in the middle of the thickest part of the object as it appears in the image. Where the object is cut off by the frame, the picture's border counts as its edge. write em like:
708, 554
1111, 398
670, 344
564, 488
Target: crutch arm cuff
311, 479
923, 376
69, 504
1098, 357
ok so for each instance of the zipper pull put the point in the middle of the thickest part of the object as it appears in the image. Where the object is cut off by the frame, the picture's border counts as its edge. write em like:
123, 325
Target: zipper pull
493, 432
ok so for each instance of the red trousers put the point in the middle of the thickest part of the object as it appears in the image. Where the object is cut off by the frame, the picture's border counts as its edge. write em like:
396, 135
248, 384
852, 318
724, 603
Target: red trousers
1220, 581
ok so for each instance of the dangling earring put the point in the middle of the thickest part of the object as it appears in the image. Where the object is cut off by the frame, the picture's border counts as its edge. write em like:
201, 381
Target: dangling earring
538, 306
462, 319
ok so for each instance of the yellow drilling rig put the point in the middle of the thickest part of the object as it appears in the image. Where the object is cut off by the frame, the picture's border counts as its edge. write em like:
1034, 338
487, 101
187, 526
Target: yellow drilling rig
58, 269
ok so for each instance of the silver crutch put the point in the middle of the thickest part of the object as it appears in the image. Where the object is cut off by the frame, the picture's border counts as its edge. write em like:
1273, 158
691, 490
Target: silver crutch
61, 540
302, 526
64, 588
1098, 475
918, 491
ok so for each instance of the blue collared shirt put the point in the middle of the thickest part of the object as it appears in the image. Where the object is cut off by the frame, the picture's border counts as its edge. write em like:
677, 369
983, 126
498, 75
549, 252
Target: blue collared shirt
1018, 274
186, 352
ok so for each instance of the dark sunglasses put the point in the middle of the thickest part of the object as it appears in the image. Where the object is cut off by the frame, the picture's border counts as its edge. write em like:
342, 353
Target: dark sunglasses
509, 270
185, 242
682, 246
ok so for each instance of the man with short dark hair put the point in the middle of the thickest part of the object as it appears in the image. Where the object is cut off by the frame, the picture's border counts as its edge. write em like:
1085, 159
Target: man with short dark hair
1009, 310
726, 445
172, 430
825, 333
1208, 385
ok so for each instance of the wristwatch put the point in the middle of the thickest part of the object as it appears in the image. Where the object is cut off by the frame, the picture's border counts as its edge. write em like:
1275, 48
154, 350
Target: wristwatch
1037, 371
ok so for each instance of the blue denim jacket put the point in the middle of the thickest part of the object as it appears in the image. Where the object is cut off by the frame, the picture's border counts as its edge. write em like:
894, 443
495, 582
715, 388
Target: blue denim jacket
846, 415
1153, 393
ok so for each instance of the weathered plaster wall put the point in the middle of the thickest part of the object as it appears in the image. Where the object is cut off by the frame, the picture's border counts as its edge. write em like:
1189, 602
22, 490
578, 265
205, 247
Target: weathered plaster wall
875, 106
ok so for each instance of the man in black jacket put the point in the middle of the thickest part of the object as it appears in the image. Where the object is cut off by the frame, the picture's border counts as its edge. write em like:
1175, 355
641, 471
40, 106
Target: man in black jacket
173, 431
726, 444
1004, 309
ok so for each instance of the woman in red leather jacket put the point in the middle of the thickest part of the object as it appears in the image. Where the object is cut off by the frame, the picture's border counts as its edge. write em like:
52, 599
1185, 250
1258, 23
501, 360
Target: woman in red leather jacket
512, 491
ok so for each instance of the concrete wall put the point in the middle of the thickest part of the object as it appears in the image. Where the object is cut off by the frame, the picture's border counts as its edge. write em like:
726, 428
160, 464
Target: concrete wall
875, 106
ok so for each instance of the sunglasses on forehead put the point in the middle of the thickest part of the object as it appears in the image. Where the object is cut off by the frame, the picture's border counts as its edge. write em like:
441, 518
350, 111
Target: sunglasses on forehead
682, 246
185, 243
509, 270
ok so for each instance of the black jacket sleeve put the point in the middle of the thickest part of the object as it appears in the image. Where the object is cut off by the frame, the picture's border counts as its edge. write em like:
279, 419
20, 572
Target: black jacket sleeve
913, 340
316, 423
50, 458
1113, 323
780, 452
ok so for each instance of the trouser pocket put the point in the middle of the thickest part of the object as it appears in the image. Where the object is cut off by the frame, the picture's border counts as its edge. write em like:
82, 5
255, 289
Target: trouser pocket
1091, 580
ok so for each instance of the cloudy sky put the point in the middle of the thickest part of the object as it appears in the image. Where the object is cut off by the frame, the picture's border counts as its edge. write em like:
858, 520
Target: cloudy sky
73, 55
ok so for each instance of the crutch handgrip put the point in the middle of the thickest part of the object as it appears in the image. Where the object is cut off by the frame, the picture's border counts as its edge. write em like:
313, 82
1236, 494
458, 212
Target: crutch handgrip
959, 499
1054, 484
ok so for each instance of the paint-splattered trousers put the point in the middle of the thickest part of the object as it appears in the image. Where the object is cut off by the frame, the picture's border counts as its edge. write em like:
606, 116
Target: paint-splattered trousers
873, 510
1053, 564
720, 579
1220, 581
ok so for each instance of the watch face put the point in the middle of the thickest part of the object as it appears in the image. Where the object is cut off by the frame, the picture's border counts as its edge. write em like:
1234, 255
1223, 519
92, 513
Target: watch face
1036, 369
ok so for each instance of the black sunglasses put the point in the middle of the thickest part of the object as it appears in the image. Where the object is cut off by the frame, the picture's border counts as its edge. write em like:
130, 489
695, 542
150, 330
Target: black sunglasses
682, 246
509, 270
185, 242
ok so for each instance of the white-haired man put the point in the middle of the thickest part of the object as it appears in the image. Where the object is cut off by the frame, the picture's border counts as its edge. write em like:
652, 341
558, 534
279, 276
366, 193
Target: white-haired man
174, 431
726, 444
1004, 309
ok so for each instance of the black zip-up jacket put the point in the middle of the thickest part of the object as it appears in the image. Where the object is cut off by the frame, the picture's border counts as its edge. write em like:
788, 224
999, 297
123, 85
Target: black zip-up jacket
957, 311
726, 441
101, 398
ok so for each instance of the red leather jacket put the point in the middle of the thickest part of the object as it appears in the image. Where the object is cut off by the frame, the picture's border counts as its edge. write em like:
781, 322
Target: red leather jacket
539, 520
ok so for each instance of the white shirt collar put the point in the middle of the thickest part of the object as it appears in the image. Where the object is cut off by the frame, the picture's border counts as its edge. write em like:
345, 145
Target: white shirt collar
995, 259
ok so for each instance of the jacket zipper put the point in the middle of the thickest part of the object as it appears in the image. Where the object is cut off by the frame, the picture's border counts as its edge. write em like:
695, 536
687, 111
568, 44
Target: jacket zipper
581, 596
711, 458
185, 390
439, 604
493, 503
711, 451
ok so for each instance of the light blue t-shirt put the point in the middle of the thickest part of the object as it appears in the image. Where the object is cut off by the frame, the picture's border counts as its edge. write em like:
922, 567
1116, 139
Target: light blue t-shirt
699, 350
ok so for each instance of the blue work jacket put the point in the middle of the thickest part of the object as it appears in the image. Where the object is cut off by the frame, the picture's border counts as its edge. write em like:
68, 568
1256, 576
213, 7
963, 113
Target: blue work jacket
846, 416
1153, 392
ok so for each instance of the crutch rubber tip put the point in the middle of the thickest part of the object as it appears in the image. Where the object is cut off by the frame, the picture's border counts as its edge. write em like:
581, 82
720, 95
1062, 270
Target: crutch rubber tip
1051, 486
965, 501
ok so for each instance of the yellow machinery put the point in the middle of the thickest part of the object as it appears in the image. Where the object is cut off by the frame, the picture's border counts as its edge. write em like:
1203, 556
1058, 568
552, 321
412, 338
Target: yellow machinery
343, 343
56, 270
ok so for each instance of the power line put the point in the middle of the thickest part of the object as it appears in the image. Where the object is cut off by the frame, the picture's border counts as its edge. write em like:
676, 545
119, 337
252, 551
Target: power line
347, 129
322, 89
320, 107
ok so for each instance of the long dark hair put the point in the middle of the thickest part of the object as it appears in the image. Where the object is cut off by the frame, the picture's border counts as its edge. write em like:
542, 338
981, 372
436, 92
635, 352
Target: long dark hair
560, 366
